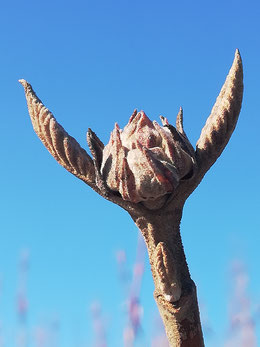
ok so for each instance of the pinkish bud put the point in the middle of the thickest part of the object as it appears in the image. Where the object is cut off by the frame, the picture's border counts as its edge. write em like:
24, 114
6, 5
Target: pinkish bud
145, 161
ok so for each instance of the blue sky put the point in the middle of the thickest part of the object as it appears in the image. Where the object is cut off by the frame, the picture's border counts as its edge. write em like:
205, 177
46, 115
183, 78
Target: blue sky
92, 63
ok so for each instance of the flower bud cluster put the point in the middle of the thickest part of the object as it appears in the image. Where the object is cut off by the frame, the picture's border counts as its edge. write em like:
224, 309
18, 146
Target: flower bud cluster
146, 161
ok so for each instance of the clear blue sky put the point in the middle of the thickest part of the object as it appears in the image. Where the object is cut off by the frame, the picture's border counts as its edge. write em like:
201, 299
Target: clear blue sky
92, 63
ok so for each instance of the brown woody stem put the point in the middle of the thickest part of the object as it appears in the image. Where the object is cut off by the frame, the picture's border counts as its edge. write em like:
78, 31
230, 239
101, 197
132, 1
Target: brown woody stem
175, 292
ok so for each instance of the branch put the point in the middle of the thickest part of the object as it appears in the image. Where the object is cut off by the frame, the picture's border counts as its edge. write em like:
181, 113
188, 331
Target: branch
67, 151
64, 148
222, 120
175, 292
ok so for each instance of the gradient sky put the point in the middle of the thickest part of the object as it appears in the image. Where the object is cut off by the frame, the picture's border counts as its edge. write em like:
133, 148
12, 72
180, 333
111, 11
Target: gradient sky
92, 63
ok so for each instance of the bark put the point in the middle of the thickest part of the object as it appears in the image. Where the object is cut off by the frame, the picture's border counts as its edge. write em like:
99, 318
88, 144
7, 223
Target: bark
175, 292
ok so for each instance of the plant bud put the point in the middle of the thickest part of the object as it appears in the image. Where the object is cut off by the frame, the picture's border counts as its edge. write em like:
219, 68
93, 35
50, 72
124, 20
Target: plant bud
146, 161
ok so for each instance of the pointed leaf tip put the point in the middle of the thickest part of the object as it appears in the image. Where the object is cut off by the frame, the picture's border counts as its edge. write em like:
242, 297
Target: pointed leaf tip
237, 53
237, 62
23, 82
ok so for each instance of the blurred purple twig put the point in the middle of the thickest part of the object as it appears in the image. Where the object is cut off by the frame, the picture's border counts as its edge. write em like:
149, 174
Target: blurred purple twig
132, 290
242, 330
99, 325
22, 301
